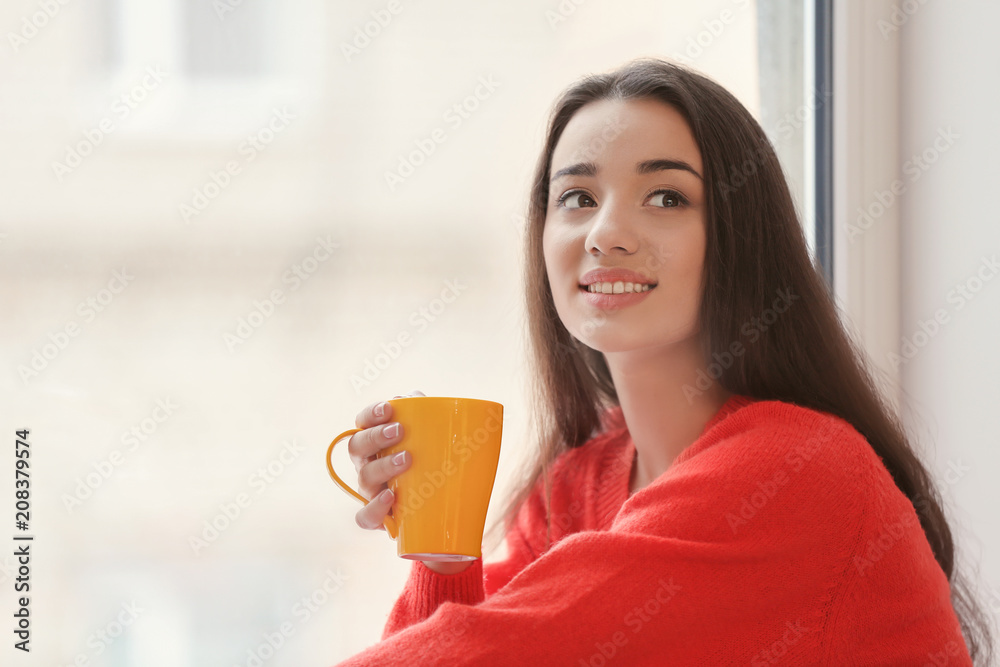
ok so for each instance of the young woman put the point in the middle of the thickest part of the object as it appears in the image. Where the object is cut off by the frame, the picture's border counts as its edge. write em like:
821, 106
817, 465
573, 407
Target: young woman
718, 480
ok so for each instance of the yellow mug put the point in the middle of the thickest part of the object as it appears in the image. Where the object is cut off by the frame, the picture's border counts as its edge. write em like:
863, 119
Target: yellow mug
440, 501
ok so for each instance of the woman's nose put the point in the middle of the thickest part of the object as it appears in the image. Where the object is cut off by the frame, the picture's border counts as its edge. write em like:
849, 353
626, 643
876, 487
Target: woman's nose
611, 232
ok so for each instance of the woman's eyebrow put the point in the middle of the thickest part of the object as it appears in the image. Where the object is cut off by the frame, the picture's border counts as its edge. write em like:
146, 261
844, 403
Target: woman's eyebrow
644, 167
650, 166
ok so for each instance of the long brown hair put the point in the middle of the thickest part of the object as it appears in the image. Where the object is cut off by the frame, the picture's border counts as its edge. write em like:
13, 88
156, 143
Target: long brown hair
754, 248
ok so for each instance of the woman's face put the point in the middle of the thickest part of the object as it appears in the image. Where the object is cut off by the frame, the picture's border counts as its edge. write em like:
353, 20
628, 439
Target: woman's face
626, 215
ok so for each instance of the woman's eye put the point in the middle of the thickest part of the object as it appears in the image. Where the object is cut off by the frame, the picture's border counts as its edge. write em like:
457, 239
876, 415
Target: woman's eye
580, 198
667, 199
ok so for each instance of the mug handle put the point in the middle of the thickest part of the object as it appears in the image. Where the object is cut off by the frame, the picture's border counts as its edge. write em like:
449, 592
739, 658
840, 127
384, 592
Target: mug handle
389, 522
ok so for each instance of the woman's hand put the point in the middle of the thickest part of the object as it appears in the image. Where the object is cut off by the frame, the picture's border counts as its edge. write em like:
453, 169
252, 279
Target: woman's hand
379, 432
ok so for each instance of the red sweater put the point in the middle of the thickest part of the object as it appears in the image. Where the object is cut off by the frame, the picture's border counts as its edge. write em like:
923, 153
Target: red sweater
777, 536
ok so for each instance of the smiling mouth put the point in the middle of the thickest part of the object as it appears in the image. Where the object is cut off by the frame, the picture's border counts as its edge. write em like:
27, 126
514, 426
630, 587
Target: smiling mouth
618, 287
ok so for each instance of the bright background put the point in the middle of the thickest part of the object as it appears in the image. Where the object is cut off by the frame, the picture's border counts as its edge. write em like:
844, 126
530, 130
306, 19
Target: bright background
293, 557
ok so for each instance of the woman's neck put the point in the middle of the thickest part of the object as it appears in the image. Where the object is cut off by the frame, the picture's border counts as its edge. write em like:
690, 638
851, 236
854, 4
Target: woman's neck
664, 406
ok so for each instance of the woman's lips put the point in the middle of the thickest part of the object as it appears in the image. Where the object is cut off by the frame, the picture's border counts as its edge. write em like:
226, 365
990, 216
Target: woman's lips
614, 301
614, 274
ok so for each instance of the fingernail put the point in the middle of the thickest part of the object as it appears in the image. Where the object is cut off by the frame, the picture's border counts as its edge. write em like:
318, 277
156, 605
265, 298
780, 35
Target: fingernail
385, 496
399, 459
391, 431
379, 409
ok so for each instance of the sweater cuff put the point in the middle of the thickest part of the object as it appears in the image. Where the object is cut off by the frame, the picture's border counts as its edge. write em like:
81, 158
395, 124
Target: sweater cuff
425, 590
432, 588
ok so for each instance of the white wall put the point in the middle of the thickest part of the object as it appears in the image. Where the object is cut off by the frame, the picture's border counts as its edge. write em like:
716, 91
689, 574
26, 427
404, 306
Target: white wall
949, 57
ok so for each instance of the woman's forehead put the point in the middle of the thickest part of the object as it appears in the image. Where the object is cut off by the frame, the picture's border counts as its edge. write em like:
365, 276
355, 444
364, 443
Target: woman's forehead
616, 132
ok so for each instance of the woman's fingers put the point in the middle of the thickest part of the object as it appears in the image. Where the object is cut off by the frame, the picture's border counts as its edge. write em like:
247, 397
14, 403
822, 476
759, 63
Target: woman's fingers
415, 392
371, 515
378, 431
372, 483
378, 413
375, 475
373, 415
364, 445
